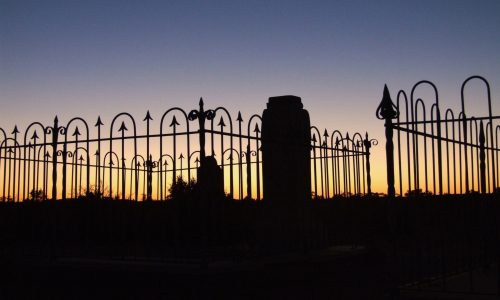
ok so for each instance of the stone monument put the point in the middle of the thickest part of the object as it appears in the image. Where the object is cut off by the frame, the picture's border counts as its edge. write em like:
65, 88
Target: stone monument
285, 222
286, 151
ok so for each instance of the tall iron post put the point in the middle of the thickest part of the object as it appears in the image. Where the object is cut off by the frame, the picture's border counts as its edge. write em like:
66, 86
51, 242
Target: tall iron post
388, 111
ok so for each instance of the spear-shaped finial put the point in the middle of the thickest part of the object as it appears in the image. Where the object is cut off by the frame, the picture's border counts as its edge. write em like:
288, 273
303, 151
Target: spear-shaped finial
123, 127
77, 132
148, 117
256, 130
201, 104
174, 122
99, 122
386, 108
221, 122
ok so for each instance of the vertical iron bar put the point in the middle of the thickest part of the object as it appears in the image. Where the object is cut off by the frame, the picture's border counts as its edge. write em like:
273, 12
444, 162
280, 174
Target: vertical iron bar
149, 161
368, 176
14, 195
122, 129
27, 172
98, 156
325, 156
258, 162
334, 173
321, 168
240, 120
482, 155
249, 171
314, 166
10, 174
389, 148
55, 134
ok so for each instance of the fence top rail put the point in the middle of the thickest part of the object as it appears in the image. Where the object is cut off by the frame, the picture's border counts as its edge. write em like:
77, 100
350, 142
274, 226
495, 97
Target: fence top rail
447, 120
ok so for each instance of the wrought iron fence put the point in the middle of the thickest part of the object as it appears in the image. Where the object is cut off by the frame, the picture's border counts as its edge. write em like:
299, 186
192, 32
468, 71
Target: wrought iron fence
70, 161
439, 154
340, 164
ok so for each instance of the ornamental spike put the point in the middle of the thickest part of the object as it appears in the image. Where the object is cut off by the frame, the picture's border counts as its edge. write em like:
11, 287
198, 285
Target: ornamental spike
174, 122
221, 122
123, 127
148, 117
35, 135
386, 108
77, 132
257, 130
99, 122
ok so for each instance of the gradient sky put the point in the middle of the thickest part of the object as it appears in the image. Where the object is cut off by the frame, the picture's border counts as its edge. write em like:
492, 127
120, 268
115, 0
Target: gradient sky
89, 58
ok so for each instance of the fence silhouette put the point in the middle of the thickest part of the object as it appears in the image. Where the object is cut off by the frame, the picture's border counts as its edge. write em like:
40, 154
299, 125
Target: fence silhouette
118, 162
439, 154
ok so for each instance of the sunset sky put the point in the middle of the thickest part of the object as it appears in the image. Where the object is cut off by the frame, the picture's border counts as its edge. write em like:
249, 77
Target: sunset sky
90, 58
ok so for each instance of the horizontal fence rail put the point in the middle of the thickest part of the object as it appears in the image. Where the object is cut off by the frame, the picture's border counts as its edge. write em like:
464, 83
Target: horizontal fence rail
117, 161
439, 153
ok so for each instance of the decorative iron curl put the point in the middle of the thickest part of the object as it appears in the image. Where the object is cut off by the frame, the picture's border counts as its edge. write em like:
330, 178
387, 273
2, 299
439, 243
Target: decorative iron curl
68, 153
201, 114
61, 130
252, 153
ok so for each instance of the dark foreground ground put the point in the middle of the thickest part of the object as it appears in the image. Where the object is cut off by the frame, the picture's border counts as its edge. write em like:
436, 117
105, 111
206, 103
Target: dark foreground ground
338, 273
418, 248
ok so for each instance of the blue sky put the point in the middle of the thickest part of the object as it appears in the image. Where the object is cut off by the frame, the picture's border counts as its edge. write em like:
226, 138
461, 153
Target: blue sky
89, 58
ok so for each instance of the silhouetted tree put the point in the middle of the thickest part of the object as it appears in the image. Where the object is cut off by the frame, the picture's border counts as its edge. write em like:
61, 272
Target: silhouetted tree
417, 192
181, 189
37, 195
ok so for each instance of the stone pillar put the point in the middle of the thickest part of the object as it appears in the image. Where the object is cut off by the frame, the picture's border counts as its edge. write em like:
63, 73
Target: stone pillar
286, 152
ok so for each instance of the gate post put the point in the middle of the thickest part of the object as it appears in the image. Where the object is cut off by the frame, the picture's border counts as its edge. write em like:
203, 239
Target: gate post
286, 151
388, 111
